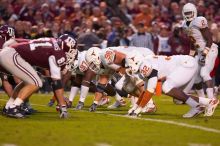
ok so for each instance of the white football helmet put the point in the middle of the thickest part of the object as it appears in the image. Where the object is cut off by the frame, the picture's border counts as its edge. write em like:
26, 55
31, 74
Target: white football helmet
189, 12
93, 58
132, 62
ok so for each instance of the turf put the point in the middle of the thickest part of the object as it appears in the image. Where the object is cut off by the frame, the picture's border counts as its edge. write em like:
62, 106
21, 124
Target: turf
83, 128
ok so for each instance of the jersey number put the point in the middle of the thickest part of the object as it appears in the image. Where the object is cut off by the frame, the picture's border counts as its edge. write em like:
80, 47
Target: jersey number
83, 66
61, 61
33, 46
145, 71
109, 56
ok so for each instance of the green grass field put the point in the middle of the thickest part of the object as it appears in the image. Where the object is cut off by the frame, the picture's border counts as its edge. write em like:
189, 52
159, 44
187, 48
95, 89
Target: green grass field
106, 127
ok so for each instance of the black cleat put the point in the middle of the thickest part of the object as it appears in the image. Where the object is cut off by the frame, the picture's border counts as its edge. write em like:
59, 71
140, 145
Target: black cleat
93, 107
51, 103
15, 112
4, 111
80, 105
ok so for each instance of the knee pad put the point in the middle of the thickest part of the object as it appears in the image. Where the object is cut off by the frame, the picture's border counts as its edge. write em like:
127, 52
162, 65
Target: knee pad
167, 86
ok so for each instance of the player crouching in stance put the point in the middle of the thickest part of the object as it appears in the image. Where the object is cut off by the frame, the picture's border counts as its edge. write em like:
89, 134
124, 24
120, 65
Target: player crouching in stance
177, 71
47, 53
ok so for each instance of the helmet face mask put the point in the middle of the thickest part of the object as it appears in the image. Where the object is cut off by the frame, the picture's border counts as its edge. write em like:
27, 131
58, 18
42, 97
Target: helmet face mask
93, 58
68, 44
7, 32
189, 12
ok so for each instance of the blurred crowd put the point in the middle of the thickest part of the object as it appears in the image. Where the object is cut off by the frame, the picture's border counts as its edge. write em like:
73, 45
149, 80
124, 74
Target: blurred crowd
145, 23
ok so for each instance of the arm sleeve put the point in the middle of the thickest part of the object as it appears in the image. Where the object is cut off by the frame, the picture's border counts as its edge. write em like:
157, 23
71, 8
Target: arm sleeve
54, 68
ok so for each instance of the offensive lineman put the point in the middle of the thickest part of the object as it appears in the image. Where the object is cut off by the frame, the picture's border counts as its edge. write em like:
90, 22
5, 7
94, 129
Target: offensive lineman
170, 70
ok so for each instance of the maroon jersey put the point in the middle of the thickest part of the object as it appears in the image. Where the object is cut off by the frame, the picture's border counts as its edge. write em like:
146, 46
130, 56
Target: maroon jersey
2, 41
37, 52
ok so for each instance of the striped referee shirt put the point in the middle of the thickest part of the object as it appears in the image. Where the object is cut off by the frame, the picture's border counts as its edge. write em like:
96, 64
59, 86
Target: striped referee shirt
142, 41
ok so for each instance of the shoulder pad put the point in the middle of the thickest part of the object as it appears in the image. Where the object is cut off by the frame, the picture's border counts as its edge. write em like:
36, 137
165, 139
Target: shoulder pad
200, 22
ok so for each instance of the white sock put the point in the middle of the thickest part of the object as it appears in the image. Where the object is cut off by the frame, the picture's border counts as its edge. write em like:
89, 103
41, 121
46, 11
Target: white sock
10, 102
17, 102
118, 97
191, 102
210, 92
74, 90
200, 93
204, 101
83, 93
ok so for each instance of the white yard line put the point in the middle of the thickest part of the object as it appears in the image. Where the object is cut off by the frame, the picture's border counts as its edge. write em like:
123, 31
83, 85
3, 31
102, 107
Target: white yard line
153, 120
166, 122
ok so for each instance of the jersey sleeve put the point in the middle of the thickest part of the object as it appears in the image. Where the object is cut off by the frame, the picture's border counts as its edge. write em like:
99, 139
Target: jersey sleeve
201, 22
54, 68
152, 84
107, 56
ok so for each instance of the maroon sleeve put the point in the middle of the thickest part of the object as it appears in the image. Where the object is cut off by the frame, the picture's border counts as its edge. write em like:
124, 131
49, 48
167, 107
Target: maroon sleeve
60, 58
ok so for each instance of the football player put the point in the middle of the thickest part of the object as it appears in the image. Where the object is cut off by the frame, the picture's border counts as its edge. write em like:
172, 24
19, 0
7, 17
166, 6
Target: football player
7, 38
202, 47
113, 58
175, 72
49, 53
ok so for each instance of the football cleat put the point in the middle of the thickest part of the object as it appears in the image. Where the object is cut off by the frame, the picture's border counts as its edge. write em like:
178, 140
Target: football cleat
149, 108
210, 109
93, 107
51, 103
133, 114
68, 103
63, 112
80, 105
4, 111
15, 112
117, 104
104, 101
195, 111
27, 109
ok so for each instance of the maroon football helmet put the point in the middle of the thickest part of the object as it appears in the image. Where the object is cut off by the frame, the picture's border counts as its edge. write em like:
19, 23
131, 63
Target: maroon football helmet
68, 44
7, 32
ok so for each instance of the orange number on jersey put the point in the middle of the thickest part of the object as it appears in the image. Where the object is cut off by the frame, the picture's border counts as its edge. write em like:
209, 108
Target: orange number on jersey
203, 23
109, 56
145, 71
83, 66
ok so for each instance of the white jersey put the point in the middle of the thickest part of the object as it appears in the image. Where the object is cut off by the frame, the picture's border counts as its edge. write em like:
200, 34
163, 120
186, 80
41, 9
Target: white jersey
194, 32
107, 55
165, 65
177, 70
81, 64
